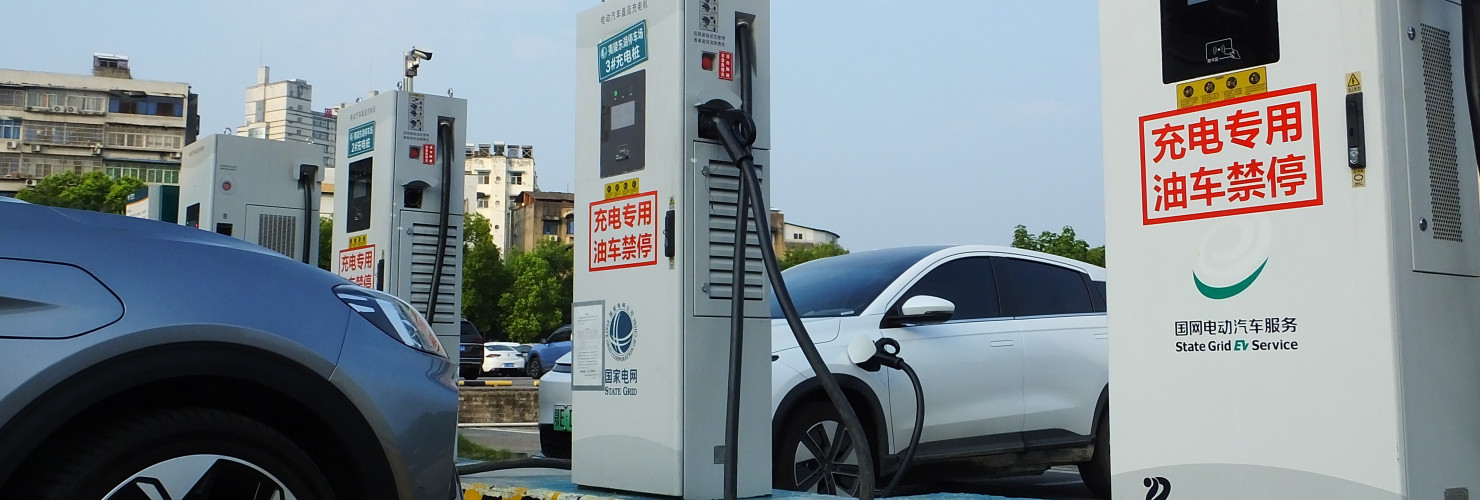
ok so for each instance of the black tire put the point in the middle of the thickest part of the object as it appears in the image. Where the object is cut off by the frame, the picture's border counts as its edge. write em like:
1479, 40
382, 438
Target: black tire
471, 373
235, 454
1096, 472
796, 463
535, 368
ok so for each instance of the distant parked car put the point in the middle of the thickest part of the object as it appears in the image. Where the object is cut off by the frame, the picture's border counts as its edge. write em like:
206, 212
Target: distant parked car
503, 358
470, 351
555, 410
555, 345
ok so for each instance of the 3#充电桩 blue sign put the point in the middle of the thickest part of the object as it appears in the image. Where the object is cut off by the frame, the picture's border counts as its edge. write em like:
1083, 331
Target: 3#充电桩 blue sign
624, 50
361, 139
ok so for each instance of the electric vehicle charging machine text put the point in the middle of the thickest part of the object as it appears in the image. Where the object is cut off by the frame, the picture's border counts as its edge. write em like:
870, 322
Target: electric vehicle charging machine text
257, 190
400, 178
653, 278
1292, 223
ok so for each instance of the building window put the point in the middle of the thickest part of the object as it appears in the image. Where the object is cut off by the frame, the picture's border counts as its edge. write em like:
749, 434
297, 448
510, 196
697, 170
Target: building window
10, 129
62, 134
482, 202
570, 225
483, 178
552, 227
10, 165
516, 178
12, 98
130, 136
796, 236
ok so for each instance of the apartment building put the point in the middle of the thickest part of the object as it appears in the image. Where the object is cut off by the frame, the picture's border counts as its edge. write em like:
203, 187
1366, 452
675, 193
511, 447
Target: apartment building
107, 121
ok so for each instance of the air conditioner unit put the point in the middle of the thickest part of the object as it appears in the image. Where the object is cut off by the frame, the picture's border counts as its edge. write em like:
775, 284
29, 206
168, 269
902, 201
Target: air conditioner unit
31, 182
35, 148
175, 155
72, 109
97, 149
58, 109
12, 145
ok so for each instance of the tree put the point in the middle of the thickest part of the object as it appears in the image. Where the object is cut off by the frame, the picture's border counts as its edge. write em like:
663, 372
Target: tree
1063, 244
533, 304
326, 243
484, 278
797, 254
93, 191
561, 259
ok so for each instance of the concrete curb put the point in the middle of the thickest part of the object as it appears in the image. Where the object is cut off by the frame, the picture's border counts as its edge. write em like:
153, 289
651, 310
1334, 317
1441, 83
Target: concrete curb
479, 491
484, 383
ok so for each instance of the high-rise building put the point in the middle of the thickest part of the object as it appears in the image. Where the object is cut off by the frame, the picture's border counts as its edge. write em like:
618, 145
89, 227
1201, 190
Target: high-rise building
107, 121
497, 175
284, 111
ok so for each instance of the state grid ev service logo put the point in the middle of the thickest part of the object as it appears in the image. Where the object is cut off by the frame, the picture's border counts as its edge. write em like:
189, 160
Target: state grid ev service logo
621, 333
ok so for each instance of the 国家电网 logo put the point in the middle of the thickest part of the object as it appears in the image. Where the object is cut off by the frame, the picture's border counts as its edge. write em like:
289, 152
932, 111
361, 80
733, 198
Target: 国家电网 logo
621, 333
1231, 256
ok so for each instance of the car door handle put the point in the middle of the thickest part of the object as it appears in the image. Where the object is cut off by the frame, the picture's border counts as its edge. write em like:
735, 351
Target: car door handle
1001, 343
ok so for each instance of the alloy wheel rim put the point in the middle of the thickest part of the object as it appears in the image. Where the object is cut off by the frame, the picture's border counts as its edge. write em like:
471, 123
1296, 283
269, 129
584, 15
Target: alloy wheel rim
825, 461
220, 476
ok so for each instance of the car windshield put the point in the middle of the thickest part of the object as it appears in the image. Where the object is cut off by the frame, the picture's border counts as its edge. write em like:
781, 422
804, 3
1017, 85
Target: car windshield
844, 285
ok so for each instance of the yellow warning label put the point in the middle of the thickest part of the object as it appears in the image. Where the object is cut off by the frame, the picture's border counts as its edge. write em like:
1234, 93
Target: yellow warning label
1354, 82
622, 188
359, 240
1222, 88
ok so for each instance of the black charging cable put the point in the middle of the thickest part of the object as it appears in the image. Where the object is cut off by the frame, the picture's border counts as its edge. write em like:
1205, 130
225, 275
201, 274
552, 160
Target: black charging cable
886, 353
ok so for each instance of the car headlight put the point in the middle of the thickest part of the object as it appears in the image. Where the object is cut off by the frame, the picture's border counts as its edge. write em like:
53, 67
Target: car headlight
393, 316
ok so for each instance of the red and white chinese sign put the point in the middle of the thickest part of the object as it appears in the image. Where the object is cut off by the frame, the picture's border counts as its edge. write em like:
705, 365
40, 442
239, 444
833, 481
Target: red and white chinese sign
1254, 154
726, 65
358, 265
624, 232
429, 154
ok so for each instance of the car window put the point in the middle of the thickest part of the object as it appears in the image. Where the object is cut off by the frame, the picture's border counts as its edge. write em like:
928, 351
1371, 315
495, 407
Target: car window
846, 284
561, 335
499, 347
1031, 288
966, 282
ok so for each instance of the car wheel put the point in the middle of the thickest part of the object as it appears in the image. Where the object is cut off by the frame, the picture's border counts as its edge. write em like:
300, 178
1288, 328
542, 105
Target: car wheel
815, 453
180, 453
470, 373
1096, 472
535, 369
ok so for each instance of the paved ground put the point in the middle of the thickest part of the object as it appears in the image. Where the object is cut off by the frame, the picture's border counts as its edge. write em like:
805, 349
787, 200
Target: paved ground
522, 381
1060, 483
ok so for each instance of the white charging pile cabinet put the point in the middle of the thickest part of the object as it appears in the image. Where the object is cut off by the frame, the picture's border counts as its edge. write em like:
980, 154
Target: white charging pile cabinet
391, 181
1293, 248
654, 278
254, 190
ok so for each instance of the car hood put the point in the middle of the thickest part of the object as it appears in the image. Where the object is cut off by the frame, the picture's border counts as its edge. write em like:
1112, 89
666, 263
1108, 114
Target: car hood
821, 330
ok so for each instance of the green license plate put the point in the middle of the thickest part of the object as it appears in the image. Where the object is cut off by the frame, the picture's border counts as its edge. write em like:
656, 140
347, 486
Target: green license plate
562, 418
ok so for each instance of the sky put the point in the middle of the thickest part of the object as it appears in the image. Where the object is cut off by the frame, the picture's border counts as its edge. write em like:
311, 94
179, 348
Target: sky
894, 123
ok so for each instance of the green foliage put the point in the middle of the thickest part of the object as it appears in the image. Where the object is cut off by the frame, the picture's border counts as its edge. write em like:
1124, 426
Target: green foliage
326, 242
93, 191
1063, 244
533, 303
797, 254
561, 259
484, 278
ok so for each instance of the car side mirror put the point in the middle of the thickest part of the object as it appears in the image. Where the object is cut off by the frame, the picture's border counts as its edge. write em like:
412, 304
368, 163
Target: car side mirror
921, 310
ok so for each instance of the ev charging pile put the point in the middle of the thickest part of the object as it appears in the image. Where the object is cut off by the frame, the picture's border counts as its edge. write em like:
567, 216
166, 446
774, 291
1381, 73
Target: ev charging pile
400, 181
1292, 218
256, 190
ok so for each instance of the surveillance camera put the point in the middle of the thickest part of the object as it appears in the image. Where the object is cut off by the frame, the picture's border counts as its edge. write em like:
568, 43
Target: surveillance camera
421, 53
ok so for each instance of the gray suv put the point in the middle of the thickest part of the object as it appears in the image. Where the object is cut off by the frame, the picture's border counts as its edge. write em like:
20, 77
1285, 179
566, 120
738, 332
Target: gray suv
140, 359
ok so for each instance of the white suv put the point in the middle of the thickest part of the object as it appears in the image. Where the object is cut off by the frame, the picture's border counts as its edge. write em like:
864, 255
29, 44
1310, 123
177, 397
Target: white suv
1015, 377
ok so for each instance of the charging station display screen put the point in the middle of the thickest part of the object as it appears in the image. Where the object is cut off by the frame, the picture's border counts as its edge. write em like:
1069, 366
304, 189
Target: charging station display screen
623, 124
359, 196
1200, 38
